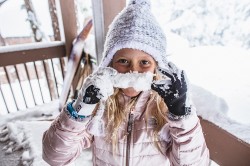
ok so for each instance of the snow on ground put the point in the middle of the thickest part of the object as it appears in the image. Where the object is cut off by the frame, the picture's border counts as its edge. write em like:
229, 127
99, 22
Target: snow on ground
21, 133
46, 111
21, 136
26, 136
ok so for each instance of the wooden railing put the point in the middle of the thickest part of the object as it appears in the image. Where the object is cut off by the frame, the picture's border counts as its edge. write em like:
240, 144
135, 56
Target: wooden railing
225, 149
36, 62
29, 71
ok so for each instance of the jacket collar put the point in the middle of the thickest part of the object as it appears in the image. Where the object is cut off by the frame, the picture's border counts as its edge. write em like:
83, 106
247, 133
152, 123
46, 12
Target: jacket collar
141, 103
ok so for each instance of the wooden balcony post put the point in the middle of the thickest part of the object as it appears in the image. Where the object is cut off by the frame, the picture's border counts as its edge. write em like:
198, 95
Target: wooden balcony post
104, 12
69, 23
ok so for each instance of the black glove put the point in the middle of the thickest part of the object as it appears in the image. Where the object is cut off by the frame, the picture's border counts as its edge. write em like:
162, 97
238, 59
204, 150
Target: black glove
95, 87
92, 95
173, 91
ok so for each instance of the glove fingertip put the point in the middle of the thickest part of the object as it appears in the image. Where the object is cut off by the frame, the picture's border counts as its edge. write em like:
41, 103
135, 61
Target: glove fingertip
153, 86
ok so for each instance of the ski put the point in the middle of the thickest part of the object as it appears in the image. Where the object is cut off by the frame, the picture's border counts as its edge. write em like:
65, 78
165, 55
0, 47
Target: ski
73, 63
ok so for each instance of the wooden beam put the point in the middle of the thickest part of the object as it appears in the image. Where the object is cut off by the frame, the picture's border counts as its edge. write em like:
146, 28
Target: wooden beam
111, 8
225, 149
69, 23
11, 55
104, 12
98, 18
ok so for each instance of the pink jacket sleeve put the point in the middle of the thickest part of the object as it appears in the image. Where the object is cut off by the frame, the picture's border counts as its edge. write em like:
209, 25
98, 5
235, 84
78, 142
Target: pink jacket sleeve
188, 143
64, 140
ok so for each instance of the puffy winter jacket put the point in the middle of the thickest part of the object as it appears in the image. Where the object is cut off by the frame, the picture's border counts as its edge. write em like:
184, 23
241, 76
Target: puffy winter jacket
182, 142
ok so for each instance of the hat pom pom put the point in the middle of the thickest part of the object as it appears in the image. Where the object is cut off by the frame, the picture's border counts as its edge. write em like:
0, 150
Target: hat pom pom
145, 3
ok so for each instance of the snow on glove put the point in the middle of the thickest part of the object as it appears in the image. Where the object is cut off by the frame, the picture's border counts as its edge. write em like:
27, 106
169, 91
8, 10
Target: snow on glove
96, 86
173, 91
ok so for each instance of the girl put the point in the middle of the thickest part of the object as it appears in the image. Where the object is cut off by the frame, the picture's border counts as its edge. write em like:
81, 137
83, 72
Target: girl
125, 126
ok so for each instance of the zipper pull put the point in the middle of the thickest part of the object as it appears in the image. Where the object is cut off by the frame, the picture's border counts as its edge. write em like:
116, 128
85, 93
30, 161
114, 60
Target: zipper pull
130, 122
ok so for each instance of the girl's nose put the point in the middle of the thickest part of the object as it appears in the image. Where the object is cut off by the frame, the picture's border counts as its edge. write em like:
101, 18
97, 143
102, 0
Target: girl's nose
134, 67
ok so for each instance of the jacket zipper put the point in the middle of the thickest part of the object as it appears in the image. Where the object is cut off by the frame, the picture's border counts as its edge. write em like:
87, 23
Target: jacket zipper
129, 134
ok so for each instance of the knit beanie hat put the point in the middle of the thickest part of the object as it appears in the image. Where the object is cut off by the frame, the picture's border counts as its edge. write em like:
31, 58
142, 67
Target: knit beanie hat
135, 27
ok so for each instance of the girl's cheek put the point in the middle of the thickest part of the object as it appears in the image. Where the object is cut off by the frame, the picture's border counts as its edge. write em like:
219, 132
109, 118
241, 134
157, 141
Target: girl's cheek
120, 68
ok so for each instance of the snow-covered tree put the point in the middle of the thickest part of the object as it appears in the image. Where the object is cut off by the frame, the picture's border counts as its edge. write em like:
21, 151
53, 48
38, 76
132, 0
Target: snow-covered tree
207, 22
34, 23
54, 19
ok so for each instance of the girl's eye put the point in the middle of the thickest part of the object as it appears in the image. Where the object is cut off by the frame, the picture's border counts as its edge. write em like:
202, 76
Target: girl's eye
145, 62
122, 61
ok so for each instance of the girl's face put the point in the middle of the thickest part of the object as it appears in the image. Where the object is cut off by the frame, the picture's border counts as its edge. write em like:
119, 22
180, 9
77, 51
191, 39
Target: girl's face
130, 60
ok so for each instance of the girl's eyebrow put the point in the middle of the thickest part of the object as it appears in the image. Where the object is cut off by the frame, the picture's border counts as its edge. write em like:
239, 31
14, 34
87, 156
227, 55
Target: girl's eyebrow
121, 58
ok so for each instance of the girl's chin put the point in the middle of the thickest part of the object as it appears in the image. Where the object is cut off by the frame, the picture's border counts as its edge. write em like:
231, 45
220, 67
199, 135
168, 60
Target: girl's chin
130, 92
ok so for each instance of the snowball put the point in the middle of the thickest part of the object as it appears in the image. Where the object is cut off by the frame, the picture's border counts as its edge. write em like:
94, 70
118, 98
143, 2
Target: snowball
102, 80
138, 81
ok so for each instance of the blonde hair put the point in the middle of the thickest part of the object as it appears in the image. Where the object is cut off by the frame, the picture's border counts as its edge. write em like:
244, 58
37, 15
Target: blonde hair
117, 113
